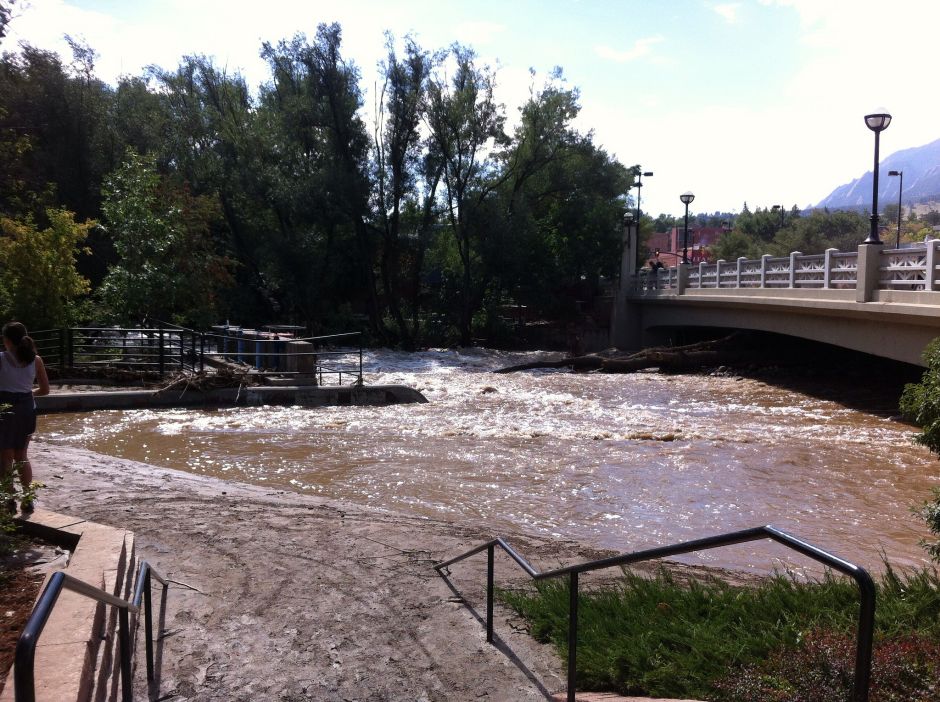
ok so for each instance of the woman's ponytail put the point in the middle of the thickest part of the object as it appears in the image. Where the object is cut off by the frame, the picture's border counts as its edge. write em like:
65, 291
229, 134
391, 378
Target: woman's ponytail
24, 348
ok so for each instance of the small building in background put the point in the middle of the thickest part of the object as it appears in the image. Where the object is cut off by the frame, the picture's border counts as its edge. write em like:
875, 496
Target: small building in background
669, 244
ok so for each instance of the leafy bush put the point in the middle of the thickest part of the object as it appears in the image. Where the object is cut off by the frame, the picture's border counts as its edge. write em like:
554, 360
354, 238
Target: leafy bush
663, 638
821, 669
920, 402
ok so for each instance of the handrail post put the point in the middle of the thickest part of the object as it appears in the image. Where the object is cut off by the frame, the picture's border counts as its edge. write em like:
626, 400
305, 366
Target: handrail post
489, 592
361, 381
202, 351
741, 260
124, 637
148, 624
866, 632
572, 635
24, 684
62, 333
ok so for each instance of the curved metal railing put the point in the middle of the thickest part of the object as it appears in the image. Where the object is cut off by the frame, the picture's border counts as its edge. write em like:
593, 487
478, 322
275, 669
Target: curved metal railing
24, 682
866, 616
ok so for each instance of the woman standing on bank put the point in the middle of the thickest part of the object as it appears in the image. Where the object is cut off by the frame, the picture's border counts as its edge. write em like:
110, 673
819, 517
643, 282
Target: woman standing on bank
20, 367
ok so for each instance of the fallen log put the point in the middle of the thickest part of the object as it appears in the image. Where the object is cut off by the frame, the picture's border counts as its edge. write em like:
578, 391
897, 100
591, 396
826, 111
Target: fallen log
673, 358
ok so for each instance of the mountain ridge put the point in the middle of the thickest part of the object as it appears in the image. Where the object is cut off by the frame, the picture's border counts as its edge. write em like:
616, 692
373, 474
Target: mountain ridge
921, 168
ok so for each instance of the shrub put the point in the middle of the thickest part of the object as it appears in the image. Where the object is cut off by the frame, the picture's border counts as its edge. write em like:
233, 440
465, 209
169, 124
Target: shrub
821, 667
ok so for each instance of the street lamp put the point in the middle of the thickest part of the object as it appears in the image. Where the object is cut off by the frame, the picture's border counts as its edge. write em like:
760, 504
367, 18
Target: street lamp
877, 122
897, 243
686, 198
640, 174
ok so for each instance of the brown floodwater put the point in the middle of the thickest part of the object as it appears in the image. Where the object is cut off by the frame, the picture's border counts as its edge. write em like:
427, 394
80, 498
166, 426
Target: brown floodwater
615, 461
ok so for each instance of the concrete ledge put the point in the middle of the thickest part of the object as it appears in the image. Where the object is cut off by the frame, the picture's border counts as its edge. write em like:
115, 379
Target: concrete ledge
315, 396
76, 658
609, 697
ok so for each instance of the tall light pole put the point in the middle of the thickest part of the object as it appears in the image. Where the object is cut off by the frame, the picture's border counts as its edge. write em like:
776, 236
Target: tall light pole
897, 243
686, 198
639, 186
877, 122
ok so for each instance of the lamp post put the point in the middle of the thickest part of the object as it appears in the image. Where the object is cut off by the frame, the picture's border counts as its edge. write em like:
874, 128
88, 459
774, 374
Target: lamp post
640, 174
877, 122
686, 198
897, 243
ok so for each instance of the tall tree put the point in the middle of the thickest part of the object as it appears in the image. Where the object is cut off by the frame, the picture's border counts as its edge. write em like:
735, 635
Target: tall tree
466, 125
400, 164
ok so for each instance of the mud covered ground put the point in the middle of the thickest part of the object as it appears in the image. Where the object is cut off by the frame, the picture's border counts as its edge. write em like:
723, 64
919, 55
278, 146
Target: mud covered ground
280, 596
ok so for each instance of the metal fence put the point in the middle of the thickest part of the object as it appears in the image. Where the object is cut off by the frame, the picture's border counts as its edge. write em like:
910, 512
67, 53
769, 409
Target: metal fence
167, 348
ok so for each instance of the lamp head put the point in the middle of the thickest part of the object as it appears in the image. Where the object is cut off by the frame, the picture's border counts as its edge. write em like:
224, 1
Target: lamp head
896, 173
878, 120
647, 174
686, 197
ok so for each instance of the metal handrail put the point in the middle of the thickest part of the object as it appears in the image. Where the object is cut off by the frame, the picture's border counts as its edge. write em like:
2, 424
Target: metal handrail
24, 684
866, 616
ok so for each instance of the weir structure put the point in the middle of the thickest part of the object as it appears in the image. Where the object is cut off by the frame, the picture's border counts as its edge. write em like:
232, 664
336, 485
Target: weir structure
881, 301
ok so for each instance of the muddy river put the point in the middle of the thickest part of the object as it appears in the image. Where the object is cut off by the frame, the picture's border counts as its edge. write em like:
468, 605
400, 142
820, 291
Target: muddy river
615, 461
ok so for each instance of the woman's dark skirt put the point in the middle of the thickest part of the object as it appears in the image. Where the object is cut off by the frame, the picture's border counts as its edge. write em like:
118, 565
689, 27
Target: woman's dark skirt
19, 422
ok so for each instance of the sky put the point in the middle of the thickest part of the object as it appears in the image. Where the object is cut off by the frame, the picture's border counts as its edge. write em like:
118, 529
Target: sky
756, 101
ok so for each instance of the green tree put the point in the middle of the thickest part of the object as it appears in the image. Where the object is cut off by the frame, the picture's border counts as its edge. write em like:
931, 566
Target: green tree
41, 283
167, 268
920, 403
819, 231
466, 126
404, 216
733, 244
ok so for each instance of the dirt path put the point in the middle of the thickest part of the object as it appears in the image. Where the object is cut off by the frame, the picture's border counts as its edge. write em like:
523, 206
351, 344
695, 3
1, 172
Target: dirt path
299, 598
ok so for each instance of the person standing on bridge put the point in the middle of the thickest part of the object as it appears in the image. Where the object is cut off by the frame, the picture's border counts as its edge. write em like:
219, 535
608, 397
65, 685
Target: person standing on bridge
20, 367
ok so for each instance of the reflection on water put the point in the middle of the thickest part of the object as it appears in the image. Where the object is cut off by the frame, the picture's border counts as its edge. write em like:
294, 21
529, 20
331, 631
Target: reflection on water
617, 461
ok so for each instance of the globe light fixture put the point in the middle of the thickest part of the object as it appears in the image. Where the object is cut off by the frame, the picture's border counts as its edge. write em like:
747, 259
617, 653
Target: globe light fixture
877, 121
686, 198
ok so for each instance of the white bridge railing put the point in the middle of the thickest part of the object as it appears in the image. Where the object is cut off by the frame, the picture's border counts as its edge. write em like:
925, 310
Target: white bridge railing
911, 269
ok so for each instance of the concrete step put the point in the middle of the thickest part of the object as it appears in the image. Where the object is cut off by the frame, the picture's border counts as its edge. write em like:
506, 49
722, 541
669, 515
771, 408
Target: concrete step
76, 655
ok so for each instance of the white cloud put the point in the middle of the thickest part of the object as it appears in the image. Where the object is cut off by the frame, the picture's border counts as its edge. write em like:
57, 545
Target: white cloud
641, 48
728, 10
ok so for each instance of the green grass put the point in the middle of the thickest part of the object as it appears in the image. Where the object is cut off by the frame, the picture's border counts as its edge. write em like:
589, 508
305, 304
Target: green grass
660, 637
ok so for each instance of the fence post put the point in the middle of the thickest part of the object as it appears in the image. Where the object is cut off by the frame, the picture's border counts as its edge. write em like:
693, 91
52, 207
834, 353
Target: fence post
793, 256
62, 333
763, 270
718, 272
202, 351
70, 343
572, 636
741, 260
361, 381
930, 274
701, 274
162, 357
827, 268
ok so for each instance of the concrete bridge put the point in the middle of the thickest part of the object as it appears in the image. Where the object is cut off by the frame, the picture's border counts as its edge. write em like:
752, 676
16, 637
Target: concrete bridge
878, 300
